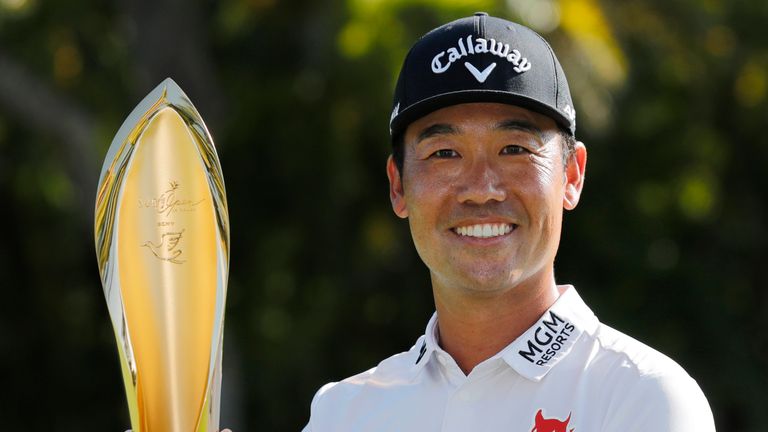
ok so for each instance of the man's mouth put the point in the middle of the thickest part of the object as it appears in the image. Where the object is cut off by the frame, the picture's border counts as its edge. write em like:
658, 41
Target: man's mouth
485, 230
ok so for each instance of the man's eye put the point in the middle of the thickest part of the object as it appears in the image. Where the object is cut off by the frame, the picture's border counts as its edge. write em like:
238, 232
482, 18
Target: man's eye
513, 150
445, 153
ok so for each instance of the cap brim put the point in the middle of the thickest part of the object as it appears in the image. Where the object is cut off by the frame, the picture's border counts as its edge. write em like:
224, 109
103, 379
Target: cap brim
434, 103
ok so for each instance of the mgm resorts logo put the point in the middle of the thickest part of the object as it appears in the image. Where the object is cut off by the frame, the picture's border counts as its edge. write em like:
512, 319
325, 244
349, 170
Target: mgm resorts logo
548, 339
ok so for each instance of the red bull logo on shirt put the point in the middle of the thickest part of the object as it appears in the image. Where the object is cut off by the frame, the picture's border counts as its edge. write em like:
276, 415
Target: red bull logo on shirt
550, 425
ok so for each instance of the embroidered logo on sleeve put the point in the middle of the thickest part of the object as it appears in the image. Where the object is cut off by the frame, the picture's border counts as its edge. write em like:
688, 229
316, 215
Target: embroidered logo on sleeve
542, 424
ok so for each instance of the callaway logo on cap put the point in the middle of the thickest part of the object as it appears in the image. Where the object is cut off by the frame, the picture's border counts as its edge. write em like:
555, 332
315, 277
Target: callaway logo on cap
481, 59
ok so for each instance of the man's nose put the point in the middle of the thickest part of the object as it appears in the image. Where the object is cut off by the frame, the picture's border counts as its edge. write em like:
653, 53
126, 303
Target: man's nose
481, 183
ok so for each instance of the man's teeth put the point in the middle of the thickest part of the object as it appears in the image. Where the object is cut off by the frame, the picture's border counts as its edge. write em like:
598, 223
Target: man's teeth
484, 230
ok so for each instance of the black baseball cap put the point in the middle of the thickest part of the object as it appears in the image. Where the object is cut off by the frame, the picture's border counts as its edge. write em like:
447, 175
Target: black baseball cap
481, 59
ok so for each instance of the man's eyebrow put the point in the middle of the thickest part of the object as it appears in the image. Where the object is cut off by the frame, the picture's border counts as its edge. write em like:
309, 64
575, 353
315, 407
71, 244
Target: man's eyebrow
521, 125
436, 129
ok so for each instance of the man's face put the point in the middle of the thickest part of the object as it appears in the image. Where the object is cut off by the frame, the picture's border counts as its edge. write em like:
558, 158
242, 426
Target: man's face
484, 187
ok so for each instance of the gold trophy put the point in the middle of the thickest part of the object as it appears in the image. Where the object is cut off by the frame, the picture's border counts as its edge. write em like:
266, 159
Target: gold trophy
162, 243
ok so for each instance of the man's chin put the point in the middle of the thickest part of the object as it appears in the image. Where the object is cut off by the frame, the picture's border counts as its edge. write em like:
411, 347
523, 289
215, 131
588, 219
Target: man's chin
486, 282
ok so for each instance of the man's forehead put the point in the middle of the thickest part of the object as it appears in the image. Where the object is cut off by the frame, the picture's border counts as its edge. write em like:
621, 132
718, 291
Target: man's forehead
457, 119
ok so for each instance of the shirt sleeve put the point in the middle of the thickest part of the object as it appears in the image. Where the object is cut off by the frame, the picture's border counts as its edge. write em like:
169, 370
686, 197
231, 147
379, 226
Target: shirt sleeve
660, 404
315, 416
312, 409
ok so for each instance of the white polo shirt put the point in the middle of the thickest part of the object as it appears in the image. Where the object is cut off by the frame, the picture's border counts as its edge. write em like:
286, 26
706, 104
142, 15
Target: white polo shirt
567, 373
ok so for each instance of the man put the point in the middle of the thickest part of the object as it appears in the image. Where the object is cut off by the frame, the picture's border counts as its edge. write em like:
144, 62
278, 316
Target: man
484, 162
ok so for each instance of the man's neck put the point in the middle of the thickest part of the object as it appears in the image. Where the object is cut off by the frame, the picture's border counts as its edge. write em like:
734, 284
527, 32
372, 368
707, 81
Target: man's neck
475, 328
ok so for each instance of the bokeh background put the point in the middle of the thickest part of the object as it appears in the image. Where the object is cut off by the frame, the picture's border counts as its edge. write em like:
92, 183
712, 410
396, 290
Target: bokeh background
668, 243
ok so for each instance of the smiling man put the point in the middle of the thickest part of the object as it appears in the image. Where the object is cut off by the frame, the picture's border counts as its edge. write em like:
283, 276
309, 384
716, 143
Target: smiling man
484, 163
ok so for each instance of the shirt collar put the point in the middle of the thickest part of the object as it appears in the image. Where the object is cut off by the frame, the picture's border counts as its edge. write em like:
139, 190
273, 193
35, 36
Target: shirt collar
540, 348
552, 337
426, 345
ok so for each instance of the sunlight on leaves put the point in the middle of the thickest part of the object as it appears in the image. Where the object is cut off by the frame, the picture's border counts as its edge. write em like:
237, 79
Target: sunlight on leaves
720, 41
355, 39
67, 60
14, 6
374, 22
541, 15
697, 196
586, 24
751, 85
379, 234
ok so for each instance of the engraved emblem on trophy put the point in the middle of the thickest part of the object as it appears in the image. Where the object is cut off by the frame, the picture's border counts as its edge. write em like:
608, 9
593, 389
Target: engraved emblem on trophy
162, 243
168, 248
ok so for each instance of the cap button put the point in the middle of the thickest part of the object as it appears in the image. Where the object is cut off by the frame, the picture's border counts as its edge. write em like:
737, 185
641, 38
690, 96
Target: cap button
481, 14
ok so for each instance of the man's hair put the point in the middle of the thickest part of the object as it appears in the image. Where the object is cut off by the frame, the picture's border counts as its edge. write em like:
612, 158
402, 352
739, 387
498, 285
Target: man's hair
398, 147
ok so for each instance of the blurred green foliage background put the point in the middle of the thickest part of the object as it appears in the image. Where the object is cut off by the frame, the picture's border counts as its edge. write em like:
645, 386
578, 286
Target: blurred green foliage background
668, 243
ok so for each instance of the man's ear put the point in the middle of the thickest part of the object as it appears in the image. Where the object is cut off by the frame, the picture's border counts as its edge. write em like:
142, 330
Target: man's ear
575, 171
396, 192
